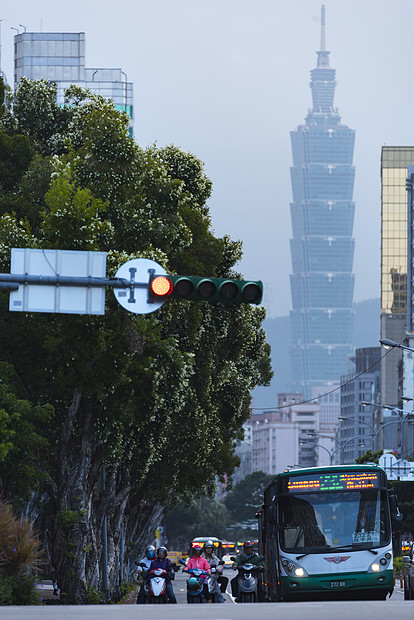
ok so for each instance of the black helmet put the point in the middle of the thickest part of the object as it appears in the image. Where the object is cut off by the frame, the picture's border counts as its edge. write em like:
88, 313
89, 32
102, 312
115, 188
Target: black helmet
248, 544
162, 553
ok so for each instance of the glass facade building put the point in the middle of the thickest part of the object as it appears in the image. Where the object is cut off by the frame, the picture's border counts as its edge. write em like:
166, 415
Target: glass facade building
322, 247
395, 163
60, 57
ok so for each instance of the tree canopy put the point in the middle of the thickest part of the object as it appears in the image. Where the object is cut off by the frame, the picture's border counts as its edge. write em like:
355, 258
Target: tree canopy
156, 400
247, 496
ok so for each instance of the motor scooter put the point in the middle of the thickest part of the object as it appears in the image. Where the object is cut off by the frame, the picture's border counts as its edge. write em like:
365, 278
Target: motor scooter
195, 584
213, 588
157, 590
247, 582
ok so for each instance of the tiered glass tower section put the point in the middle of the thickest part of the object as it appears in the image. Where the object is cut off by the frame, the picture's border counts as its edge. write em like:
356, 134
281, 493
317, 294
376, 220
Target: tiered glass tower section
322, 247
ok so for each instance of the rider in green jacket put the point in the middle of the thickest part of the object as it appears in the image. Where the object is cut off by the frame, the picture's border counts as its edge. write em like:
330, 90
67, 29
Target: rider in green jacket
248, 557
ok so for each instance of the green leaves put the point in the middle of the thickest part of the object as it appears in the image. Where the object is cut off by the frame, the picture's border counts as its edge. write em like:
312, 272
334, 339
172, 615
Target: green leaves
162, 397
247, 495
74, 217
23, 431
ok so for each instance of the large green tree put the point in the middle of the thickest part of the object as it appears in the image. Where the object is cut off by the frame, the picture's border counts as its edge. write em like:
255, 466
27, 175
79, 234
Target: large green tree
156, 401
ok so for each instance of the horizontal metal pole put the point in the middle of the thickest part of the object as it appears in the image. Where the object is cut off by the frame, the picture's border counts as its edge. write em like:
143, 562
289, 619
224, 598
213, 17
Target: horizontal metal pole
6, 278
12, 286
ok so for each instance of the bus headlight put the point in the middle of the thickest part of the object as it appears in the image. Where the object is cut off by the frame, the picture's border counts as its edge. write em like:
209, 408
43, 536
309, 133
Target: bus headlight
380, 564
293, 569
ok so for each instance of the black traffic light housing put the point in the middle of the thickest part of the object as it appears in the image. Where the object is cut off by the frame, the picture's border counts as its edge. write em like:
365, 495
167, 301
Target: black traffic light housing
204, 289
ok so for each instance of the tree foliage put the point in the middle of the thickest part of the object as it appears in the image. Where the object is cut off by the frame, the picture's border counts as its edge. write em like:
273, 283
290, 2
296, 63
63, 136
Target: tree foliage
156, 400
247, 495
404, 490
369, 457
196, 516
20, 555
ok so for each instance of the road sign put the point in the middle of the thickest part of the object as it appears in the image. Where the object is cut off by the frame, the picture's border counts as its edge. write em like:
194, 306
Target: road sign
403, 467
387, 460
138, 272
40, 297
395, 468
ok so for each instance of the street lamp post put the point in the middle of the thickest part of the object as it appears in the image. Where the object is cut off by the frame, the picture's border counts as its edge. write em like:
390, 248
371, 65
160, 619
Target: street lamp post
339, 449
390, 344
343, 419
313, 434
403, 415
318, 445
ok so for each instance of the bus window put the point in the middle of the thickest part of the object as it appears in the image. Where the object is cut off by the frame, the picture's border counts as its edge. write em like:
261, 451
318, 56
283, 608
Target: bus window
330, 520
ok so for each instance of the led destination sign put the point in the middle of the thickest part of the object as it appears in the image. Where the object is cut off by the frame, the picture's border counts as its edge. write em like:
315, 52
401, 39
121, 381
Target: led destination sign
344, 481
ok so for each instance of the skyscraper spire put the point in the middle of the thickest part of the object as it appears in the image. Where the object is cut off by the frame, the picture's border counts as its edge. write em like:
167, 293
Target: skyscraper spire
323, 39
323, 55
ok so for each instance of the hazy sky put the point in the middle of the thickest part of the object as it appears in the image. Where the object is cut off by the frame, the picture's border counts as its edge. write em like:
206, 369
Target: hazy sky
229, 79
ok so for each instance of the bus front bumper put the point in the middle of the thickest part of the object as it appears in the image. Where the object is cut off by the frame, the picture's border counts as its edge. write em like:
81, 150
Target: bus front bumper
337, 585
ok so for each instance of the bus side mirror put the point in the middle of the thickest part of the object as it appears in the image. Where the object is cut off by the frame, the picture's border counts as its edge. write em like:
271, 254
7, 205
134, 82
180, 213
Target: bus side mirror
394, 507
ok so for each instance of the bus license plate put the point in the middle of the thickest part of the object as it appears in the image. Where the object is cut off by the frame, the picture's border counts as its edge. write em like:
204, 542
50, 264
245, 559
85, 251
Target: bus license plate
338, 584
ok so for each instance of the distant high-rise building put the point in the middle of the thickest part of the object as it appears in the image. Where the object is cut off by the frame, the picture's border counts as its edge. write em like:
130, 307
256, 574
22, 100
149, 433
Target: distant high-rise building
358, 421
322, 247
286, 436
396, 310
60, 57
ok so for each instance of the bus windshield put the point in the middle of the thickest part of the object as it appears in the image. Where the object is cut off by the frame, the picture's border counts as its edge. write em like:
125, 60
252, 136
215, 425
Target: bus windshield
318, 522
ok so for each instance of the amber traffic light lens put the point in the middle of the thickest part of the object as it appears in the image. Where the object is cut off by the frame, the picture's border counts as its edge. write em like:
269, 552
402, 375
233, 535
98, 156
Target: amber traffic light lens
184, 288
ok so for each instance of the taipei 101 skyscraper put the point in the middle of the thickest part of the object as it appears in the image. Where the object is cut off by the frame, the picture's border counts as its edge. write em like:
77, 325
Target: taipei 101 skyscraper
322, 247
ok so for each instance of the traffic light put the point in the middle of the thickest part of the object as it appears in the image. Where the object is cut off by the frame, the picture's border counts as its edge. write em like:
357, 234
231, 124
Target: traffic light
204, 289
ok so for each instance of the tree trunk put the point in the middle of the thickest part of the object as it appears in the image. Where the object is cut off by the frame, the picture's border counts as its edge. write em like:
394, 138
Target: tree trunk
72, 524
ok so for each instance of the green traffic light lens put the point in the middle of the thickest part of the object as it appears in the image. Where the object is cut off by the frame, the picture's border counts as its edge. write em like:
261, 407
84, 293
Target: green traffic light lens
229, 291
252, 293
207, 289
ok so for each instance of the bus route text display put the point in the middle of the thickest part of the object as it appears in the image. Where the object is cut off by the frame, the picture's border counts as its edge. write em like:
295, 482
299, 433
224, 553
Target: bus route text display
346, 481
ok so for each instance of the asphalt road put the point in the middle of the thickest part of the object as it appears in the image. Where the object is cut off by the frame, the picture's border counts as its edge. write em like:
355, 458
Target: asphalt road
393, 608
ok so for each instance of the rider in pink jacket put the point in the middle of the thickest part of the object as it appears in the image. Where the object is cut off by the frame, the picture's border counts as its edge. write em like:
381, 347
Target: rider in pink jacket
196, 561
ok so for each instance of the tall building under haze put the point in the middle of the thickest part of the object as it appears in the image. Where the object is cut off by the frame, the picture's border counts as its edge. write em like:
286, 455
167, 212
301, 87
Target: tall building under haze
322, 247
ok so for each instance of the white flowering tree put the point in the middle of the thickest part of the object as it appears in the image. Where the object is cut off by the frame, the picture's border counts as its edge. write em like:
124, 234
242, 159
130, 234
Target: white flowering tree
155, 401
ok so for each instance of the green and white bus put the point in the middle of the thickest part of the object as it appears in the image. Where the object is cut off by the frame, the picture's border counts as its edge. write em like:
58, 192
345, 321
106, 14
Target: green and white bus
326, 534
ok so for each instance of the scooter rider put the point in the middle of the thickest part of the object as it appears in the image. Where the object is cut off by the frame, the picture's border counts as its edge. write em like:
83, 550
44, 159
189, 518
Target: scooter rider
197, 561
161, 561
248, 556
210, 556
149, 556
